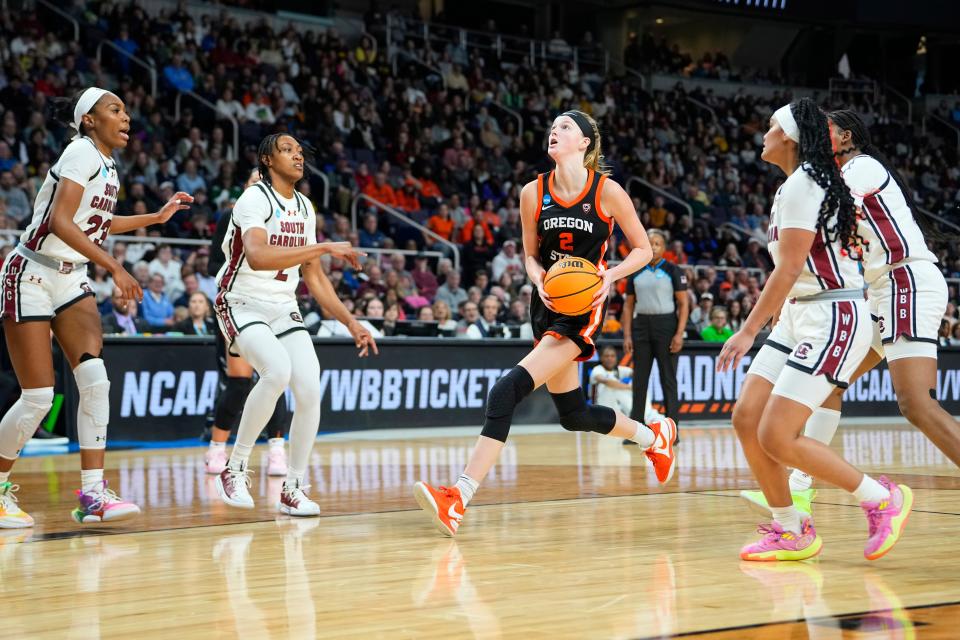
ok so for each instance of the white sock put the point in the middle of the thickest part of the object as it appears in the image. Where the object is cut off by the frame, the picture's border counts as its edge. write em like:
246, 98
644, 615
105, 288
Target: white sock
217, 445
800, 481
4, 476
294, 478
468, 486
90, 478
240, 456
787, 517
644, 436
870, 491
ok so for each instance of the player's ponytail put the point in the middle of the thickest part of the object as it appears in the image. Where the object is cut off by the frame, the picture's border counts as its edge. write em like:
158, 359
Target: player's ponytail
849, 120
61, 110
593, 159
816, 158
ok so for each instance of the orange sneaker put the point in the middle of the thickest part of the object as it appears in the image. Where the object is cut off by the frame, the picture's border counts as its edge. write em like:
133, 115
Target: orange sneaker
661, 452
443, 505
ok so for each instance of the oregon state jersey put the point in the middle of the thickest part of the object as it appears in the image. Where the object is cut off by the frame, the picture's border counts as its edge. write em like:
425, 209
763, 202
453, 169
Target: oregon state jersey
885, 219
287, 222
81, 162
578, 228
796, 205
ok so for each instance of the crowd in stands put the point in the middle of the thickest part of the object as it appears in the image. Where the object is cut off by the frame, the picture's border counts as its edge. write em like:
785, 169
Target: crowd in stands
437, 147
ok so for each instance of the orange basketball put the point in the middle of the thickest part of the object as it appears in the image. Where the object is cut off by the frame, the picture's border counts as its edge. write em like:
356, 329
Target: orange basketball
571, 284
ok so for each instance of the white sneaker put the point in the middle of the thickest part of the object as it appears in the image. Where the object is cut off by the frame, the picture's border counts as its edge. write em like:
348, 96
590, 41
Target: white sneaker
234, 487
11, 515
215, 460
294, 502
277, 458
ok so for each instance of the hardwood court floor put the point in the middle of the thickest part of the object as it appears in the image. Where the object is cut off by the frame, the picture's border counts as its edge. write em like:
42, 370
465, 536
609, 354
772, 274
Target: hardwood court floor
570, 537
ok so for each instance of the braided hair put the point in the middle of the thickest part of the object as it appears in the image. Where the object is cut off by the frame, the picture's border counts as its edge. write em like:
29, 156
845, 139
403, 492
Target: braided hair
270, 144
816, 158
849, 120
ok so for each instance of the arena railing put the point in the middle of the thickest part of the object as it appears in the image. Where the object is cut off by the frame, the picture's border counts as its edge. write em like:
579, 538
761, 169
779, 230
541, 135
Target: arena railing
396, 52
704, 106
512, 112
940, 219
944, 123
899, 96
355, 206
63, 14
658, 190
151, 70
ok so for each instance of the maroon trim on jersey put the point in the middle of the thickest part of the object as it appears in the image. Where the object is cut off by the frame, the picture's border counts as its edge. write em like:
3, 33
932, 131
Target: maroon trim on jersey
903, 304
222, 309
821, 263
10, 287
236, 257
43, 229
845, 327
886, 228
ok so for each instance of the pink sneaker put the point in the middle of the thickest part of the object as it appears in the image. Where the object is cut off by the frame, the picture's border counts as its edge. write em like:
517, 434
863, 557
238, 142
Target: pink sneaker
102, 505
886, 519
215, 460
777, 544
277, 459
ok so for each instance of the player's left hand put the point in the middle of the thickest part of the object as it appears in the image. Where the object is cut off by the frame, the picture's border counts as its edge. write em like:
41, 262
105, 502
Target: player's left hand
601, 295
363, 339
734, 349
179, 202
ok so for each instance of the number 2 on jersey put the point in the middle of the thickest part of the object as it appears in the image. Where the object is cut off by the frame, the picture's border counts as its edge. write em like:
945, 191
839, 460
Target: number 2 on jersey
566, 242
281, 276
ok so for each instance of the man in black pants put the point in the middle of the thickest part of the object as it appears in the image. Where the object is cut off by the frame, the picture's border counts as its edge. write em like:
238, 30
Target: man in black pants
654, 320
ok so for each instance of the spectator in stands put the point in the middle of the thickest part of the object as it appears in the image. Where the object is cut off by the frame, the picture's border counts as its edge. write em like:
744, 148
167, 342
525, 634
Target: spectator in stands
177, 75
717, 330
423, 277
735, 316
168, 267
190, 180
228, 107
445, 322
381, 191
191, 286
507, 261
157, 308
122, 318
486, 325
469, 314
370, 235
700, 316
199, 321
374, 281
756, 257
18, 205
450, 292
477, 254
441, 224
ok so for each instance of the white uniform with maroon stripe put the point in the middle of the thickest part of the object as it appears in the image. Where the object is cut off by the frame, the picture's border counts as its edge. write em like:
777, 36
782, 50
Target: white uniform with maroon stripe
248, 296
31, 291
822, 334
907, 292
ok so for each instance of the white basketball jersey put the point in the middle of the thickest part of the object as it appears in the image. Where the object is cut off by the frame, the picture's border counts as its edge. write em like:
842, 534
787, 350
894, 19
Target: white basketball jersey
288, 223
885, 220
81, 162
797, 206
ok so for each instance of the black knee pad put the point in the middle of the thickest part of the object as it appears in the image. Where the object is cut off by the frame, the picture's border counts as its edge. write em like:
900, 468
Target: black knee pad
231, 402
89, 356
575, 415
504, 396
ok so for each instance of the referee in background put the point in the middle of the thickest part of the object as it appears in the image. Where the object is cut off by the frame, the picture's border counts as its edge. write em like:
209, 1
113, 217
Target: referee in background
654, 320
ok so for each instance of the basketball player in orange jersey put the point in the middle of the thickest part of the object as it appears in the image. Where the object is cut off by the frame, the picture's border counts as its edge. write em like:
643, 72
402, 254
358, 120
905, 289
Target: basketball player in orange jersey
44, 287
568, 212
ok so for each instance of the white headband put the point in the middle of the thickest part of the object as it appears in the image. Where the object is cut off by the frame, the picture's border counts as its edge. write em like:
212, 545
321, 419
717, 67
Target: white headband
784, 116
86, 102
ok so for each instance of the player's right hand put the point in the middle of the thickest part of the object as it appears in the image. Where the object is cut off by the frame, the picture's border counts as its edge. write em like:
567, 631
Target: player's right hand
343, 250
543, 294
127, 285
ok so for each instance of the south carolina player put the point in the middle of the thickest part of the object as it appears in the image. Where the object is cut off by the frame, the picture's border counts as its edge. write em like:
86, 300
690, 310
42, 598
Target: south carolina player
44, 287
272, 235
569, 211
822, 333
907, 296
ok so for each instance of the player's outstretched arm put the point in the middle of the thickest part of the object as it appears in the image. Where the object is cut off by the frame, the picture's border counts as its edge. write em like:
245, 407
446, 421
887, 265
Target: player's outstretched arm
323, 292
178, 202
262, 256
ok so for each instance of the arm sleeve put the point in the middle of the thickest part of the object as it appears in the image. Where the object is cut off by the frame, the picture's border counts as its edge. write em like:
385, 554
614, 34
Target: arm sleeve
251, 210
79, 163
800, 201
679, 279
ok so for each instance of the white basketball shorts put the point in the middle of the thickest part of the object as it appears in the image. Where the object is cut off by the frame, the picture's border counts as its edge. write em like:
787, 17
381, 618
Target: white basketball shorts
907, 305
31, 291
236, 312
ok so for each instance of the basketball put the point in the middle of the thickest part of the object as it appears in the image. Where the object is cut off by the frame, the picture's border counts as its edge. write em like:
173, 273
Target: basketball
571, 284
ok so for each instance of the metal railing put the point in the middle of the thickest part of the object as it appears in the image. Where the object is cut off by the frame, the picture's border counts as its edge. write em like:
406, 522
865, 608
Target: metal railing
516, 114
219, 116
152, 70
663, 192
945, 123
902, 97
355, 206
939, 218
749, 233
63, 14
326, 183
704, 106
400, 52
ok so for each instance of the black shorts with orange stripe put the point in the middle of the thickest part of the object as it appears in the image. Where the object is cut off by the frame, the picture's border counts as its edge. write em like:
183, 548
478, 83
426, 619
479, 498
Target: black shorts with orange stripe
580, 329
